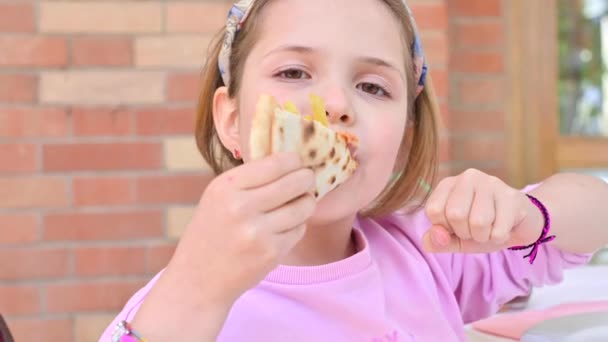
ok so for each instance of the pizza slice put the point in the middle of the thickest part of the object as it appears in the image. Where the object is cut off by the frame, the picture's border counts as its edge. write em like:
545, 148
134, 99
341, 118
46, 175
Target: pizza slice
278, 128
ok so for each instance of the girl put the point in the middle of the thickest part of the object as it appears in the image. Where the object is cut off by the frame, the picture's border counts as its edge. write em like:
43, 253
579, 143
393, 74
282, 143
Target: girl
261, 261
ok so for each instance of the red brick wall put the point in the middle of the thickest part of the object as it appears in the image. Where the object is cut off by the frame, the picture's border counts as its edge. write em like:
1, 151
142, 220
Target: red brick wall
478, 77
98, 167
78, 235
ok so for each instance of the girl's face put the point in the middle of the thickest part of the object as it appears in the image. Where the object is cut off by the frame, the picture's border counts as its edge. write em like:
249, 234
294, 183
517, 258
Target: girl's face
351, 54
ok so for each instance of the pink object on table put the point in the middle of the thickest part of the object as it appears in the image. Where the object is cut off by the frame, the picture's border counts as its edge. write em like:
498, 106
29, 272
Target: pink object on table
514, 325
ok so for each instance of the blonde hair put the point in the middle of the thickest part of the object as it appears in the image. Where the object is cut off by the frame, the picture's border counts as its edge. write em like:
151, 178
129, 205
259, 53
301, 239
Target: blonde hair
417, 158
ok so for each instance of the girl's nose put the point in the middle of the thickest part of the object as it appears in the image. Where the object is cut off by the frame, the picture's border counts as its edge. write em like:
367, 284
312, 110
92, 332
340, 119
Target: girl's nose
335, 117
338, 108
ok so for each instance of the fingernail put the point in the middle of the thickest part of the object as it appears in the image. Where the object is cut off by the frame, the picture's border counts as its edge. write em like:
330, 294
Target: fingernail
440, 237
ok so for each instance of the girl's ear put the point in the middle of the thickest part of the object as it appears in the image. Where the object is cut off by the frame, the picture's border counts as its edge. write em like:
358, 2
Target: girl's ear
225, 117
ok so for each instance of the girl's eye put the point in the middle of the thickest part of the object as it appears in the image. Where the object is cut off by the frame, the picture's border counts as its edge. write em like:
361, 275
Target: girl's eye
293, 74
373, 89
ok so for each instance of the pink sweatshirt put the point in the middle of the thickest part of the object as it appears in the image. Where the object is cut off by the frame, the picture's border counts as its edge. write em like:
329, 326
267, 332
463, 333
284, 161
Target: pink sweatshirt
391, 290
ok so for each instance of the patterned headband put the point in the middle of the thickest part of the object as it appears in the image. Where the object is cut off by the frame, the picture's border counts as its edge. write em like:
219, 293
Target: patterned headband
240, 11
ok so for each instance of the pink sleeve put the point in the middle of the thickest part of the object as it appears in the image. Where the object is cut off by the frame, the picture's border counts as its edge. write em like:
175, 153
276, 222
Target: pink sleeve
484, 283
130, 309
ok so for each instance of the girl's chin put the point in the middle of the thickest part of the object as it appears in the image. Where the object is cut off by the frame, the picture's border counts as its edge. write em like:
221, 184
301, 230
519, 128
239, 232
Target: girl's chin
337, 205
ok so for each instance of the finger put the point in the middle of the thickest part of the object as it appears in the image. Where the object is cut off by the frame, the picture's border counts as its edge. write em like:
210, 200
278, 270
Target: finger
482, 215
436, 238
290, 215
263, 171
286, 189
458, 207
505, 217
456, 245
289, 239
435, 205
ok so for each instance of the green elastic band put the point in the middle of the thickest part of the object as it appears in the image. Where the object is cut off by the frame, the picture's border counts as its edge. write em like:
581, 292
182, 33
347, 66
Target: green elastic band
423, 184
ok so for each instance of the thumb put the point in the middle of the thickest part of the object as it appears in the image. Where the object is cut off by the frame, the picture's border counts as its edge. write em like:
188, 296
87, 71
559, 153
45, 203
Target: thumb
439, 240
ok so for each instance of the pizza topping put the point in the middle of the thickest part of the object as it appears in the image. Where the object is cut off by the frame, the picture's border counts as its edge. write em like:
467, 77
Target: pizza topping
318, 110
350, 139
291, 107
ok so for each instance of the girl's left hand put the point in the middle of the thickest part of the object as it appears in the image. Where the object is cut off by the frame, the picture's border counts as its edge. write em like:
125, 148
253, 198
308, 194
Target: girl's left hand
478, 213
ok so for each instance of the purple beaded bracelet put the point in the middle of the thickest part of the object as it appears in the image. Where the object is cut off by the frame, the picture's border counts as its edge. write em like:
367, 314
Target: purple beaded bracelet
543, 236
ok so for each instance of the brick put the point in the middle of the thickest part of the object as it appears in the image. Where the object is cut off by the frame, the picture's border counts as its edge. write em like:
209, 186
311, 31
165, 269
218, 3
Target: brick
482, 91
477, 62
445, 151
444, 170
475, 121
19, 300
161, 121
181, 154
33, 263
436, 49
172, 188
445, 121
96, 157
17, 17
109, 261
33, 51
105, 121
100, 17
178, 219
111, 226
478, 34
18, 88
171, 51
33, 122
90, 327
195, 17
157, 257
479, 149
33, 192
102, 87
18, 229
18, 157
102, 51
490, 168
90, 296
37, 329
430, 15
103, 191
441, 82
183, 87
476, 8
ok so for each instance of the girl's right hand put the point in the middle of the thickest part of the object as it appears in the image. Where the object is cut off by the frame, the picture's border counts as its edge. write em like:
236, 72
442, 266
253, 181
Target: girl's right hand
247, 219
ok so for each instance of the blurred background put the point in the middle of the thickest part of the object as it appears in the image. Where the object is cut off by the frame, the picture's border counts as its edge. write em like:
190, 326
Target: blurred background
98, 167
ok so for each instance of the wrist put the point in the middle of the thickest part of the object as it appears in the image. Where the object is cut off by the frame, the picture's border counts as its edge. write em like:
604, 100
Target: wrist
544, 234
176, 310
532, 225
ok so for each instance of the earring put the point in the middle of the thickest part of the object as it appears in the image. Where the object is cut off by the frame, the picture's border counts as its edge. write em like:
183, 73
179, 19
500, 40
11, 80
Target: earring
236, 154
